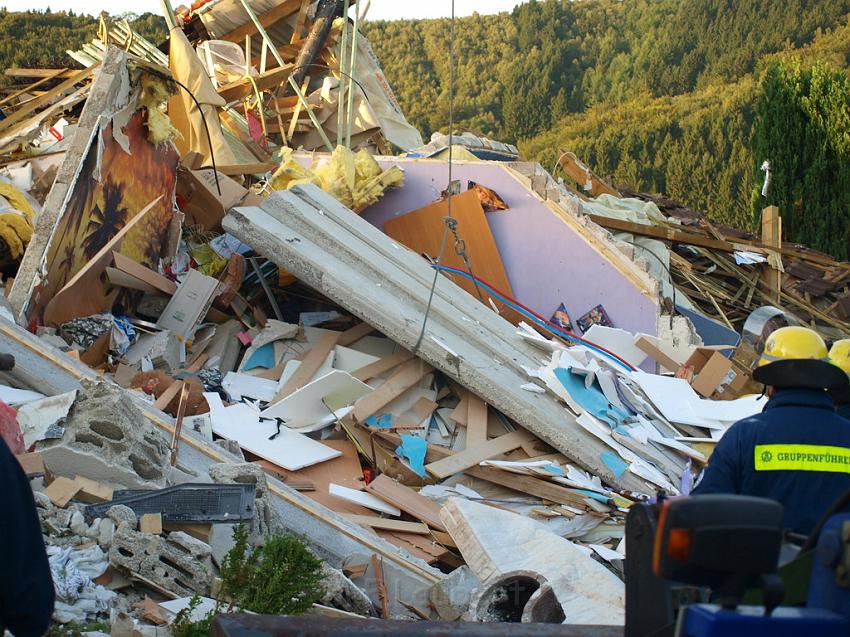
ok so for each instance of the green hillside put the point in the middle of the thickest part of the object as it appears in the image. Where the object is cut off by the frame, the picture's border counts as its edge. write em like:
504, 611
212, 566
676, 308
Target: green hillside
660, 95
40, 39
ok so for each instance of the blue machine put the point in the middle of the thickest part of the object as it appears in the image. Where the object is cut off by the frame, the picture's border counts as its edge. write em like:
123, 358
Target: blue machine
709, 620
827, 610
730, 544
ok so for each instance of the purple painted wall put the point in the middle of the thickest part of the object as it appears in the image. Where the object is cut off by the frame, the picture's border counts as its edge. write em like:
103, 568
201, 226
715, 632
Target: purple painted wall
546, 261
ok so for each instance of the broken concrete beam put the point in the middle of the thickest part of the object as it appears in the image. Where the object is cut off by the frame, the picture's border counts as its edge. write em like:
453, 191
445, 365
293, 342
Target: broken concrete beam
179, 563
266, 519
503, 599
451, 597
341, 592
310, 234
109, 440
123, 516
495, 542
243, 473
543, 608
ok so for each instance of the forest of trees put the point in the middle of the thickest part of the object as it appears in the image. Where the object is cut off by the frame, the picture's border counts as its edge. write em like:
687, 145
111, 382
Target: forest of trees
659, 95
665, 96
40, 39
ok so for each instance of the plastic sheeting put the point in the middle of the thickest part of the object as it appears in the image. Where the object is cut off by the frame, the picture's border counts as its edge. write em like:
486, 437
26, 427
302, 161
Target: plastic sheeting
183, 112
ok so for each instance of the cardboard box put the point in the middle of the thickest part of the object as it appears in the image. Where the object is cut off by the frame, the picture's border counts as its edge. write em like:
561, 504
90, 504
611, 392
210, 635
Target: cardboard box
706, 368
199, 198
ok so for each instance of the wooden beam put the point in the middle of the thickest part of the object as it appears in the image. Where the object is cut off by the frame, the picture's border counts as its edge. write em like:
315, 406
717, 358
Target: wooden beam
57, 92
244, 87
29, 87
667, 234
247, 169
529, 485
38, 73
581, 174
690, 238
771, 235
407, 500
471, 456
267, 19
386, 524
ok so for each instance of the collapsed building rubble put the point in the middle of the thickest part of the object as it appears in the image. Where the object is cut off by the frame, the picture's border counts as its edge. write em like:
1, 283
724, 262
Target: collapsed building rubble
212, 327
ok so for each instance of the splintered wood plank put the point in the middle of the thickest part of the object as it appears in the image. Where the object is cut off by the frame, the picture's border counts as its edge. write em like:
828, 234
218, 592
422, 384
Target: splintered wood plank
389, 525
267, 20
419, 546
22, 113
476, 421
406, 377
310, 365
460, 414
422, 230
61, 490
471, 456
300, 21
384, 365
354, 334
168, 395
151, 523
529, 485
407, 500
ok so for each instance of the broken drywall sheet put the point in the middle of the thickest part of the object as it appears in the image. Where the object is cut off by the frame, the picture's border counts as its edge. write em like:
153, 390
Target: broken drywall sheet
560, 249
41, 419
239, 386
275, 443
307, 409
272, 332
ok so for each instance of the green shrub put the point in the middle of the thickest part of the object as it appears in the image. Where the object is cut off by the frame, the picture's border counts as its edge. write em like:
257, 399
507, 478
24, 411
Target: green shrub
280, 578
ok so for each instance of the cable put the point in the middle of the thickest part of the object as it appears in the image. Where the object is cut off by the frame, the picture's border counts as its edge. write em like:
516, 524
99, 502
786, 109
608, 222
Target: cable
536, 318
206, 129
341, 72
449, 218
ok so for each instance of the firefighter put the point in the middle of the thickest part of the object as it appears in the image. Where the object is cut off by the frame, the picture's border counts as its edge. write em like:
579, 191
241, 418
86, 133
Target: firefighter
797, 450
839, 354
26, 586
